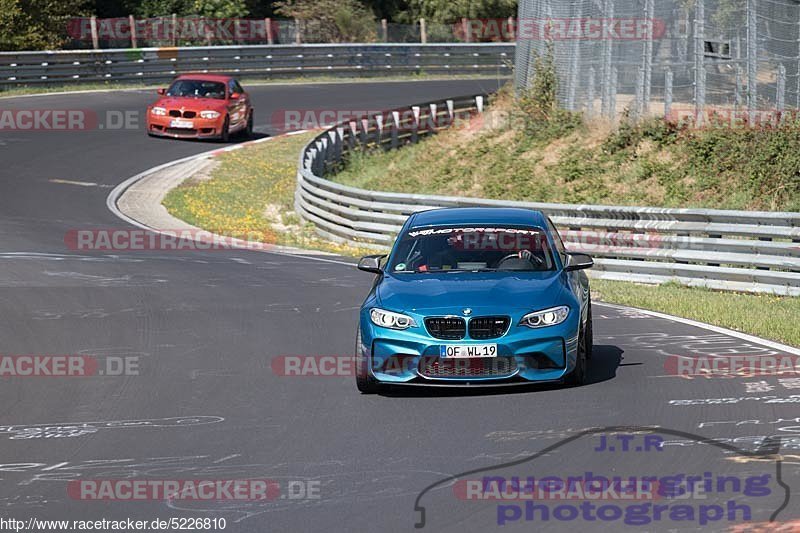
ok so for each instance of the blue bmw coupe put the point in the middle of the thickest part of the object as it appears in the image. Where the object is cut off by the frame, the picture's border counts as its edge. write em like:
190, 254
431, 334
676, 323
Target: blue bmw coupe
475, 296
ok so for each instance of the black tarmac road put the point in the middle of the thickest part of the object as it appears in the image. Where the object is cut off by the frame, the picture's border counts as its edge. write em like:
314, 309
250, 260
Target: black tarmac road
207, 399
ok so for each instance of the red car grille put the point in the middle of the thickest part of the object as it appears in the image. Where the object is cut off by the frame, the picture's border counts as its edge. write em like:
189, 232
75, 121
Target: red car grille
435, 367
186, 114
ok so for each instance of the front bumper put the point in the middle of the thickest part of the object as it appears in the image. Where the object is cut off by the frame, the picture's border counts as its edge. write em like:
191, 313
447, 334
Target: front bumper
201, 128
524, 355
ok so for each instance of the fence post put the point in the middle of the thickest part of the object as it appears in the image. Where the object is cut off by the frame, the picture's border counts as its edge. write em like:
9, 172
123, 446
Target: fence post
95, 38
512, 33
423, 32
699, 56
752, 60
465, 28
574, 61
385, 30
174, 29
590, 93
270, 35
132, 23
608, 50
612, 107
638, 105
780, 97
648, 54
298, 32
737, 96
667, 93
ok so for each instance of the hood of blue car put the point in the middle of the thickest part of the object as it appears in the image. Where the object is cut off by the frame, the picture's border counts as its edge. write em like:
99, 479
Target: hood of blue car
485, 292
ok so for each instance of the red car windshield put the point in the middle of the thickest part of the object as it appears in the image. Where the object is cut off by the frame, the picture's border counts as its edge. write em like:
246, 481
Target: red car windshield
471, 249
197, 89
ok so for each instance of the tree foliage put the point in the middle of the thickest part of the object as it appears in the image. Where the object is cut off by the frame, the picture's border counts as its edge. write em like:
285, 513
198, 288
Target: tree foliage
42, 24
331, 20
37, 24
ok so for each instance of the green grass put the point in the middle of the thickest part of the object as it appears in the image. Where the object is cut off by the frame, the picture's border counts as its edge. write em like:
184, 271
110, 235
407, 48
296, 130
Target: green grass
771, 317
567, 160
252, 192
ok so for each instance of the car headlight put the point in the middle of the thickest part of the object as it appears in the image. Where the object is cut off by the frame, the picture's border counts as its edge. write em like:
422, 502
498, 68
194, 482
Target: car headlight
388, 319
545, 317
158, 111
209, 114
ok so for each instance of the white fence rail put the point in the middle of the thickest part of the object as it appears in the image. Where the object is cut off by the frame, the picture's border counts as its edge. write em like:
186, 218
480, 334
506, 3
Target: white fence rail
730, 250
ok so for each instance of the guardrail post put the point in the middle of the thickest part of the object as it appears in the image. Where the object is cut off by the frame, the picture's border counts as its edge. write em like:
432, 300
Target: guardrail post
379, 130
337, 137
450, 112
433, 119
415, 125
479, 103
395, 128
132, 23
351, 135
95, 38
423, 32
364, 122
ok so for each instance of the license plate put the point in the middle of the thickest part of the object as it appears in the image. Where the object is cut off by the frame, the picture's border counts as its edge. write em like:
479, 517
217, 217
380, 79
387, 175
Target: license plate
467, 351
178, 123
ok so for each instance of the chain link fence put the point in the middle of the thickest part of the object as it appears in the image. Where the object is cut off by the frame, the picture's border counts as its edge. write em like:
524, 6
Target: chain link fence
654, 57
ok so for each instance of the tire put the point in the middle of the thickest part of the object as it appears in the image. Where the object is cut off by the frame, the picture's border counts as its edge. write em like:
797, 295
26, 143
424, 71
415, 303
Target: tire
247, 132
365, 381
589, 334
577, 377
225, 136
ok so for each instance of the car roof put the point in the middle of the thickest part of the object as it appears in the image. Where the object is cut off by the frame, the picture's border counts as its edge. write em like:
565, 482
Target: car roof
204, 76
478, 215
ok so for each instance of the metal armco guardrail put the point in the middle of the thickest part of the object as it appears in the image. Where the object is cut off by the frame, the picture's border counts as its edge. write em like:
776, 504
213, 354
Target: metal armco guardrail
272, 61
730, 250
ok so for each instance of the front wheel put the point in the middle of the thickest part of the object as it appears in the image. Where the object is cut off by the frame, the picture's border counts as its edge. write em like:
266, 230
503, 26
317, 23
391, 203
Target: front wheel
247, 132
577, 377
365, 381
225, 135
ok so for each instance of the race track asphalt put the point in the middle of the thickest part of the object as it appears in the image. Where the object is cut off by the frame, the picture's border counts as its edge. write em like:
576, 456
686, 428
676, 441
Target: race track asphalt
207, 403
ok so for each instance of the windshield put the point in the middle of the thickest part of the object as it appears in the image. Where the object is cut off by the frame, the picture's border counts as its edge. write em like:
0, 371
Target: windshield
471, 249
197, 89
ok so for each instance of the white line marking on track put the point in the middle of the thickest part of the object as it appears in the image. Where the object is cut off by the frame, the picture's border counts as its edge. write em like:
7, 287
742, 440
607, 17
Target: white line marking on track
709, 327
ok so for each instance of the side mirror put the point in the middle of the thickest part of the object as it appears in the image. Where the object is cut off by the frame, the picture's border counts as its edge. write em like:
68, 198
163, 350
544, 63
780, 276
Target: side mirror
235, 96
162, 91
577, 261
371, 263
